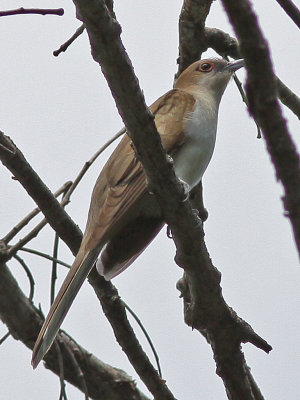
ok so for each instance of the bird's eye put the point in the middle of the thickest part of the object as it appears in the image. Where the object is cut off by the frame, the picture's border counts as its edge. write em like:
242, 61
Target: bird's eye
205, 67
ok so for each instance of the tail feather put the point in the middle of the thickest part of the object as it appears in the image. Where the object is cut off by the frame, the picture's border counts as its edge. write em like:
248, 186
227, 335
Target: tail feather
70, 287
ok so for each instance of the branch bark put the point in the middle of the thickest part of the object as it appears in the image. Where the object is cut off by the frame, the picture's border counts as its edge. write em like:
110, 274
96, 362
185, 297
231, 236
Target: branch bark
14, 160
207, 307
192, 41
262, 94
40, 11
57, 217
291, 9
226, 45
24, 323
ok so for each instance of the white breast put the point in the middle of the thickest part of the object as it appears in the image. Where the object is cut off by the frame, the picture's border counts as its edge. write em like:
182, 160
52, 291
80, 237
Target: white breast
191, 161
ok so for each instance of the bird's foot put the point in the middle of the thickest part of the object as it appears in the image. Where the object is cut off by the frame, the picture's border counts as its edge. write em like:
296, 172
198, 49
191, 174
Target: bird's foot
186, 189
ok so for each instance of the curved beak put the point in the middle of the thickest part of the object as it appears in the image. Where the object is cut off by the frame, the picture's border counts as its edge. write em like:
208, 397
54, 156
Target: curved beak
233, 66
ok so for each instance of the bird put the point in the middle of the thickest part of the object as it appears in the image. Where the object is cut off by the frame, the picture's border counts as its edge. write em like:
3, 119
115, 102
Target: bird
124, 217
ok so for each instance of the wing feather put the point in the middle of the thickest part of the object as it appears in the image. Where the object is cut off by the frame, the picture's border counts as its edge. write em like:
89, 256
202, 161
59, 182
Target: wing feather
122, 181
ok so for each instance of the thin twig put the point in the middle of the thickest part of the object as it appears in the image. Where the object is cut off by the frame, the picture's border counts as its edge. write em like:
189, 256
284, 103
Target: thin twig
24, 322
29, 275
291, 9
245, 100
44, 255
54, 268
35, 231
54, 264
26, 239
36, 188
21, 10
62, 394
146, 335
86, 166
68, 43
226, 45
16, 229
115, 312
262, 85
288, 97
4, 337
78, 372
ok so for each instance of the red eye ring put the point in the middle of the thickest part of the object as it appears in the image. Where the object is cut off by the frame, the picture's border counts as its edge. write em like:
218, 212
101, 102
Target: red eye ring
205, 66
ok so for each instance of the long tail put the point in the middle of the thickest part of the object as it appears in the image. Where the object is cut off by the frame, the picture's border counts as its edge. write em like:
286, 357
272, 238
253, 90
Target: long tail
81, 267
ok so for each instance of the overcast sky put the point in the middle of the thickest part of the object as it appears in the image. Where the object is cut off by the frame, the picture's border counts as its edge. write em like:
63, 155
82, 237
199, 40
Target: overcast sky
59, 112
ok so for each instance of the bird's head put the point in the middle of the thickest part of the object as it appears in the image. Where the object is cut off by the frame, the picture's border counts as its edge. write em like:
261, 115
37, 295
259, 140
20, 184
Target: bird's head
210, 76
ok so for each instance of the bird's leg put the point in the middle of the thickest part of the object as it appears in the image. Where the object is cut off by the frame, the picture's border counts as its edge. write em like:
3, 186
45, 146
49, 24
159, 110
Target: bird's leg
186, 189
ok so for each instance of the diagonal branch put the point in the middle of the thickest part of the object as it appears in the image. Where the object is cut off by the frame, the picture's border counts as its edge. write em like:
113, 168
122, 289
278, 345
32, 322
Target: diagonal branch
15, 162
57, 217
291, 9
102, 380
40, 11
224, 44
16, 229
192, 41
208, 306
262, 95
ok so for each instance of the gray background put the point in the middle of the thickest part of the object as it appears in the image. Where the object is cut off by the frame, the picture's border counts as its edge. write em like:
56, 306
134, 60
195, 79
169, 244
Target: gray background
59, 112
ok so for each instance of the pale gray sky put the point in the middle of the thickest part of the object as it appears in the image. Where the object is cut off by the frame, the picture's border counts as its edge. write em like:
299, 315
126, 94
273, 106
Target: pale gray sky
59, 112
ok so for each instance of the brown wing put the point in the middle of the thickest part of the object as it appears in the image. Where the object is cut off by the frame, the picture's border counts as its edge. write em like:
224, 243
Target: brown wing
120, 184
122, 180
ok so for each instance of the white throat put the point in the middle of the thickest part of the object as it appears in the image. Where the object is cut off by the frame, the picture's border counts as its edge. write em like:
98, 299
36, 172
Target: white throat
191, 161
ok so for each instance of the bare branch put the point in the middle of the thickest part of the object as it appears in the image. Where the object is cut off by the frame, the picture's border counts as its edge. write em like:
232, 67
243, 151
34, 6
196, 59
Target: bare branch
262, 94
288, 97
139, 322
66, 199
4, 337
212, 314
114, 311
68, 43
54, 268
10, 251
291, 9
29, 275
40, 11
78, 372
62, 395
191, 32
102, 380
60, 221
44, 255
16, 162
88, 163
16, 229
224, 44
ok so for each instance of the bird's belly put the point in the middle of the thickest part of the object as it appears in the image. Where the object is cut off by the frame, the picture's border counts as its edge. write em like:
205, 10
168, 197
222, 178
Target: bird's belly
191, 161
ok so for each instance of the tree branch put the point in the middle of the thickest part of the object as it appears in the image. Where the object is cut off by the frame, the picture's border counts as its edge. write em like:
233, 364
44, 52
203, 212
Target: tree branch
262, 94
16, 229
288, 97
68, 43
191, 32
24, 323
209, 309
40, 11
14, 160
224, 44
57, 217
115, 312
292, 11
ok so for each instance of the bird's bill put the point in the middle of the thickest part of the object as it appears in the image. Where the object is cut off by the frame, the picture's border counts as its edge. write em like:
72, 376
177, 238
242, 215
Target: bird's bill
233, 66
